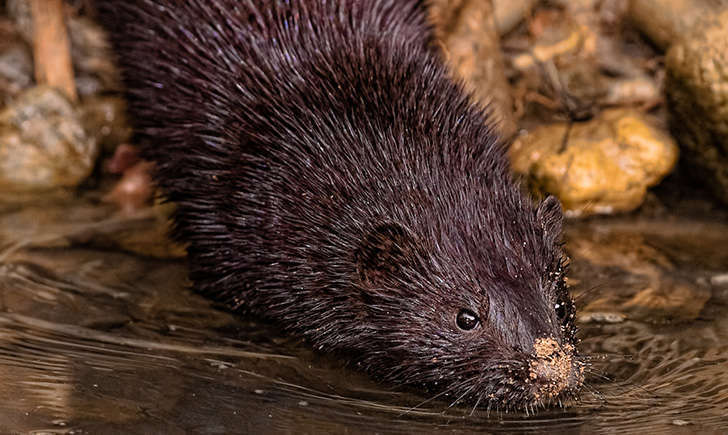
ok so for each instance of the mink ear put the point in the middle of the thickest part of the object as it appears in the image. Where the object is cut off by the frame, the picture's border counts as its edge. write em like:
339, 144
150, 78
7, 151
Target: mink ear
550, 216
383, 252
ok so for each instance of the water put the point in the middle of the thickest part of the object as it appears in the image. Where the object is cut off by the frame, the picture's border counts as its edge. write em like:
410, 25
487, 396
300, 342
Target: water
95, 338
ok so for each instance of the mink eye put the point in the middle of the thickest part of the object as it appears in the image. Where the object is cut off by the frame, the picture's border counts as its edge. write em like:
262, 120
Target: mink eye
564, 308
560, 307
467, 319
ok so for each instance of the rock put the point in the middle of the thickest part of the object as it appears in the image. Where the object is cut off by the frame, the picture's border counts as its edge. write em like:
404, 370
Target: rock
634, 90
16, 70
719, 280
43, 146
601, 317
697, 93
602, 166
667, 21
508, 13
19, 12
16, 62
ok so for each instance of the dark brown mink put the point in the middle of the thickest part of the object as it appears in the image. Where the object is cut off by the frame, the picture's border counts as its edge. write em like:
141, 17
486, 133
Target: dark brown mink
329, 176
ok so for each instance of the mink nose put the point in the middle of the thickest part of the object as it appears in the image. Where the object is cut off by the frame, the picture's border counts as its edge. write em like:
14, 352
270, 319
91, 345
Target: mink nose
553, 369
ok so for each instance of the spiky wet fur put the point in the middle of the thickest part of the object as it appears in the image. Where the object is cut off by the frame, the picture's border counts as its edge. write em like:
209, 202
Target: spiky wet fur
329, 176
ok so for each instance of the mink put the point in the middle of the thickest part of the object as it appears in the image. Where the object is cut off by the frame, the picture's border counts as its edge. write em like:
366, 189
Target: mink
330, 176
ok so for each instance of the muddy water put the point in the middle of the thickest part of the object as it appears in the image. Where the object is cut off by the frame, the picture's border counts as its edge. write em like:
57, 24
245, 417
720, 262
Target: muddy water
98, 338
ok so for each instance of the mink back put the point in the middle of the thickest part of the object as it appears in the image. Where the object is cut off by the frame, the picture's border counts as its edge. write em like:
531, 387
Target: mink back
329, 176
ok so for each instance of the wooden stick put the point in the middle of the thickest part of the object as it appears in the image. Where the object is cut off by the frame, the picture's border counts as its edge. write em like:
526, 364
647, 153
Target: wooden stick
51, 47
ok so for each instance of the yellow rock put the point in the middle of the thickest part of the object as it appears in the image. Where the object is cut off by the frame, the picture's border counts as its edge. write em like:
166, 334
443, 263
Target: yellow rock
602, 166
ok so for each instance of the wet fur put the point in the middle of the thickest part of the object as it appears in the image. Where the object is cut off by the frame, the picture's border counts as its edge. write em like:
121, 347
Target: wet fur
331, 177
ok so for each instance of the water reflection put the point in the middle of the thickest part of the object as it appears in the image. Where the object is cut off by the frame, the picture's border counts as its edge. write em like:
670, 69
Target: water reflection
96, 338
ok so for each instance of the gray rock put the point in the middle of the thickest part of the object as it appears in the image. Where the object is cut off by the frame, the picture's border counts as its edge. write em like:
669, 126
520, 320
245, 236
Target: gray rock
697, 93
43, 146
16, 70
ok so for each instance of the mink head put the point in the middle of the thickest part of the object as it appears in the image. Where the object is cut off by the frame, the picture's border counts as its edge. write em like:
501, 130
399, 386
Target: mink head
476, 311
